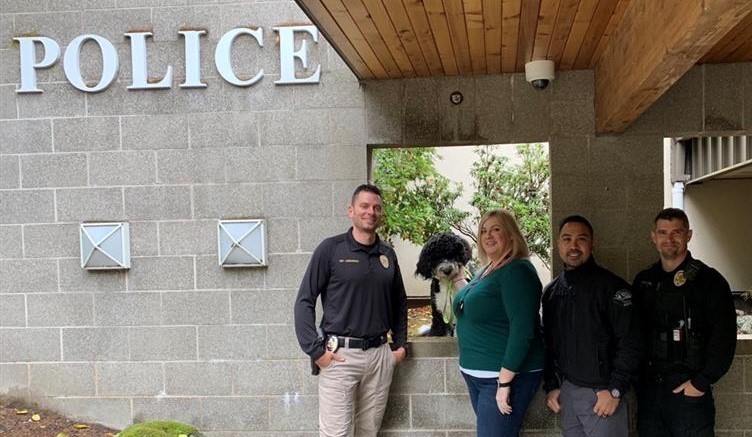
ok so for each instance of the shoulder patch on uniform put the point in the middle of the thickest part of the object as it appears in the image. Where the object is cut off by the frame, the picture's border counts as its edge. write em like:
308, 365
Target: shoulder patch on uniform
623, 297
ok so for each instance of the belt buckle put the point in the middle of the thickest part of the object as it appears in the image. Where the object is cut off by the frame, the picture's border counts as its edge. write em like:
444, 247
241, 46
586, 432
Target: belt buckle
332, 343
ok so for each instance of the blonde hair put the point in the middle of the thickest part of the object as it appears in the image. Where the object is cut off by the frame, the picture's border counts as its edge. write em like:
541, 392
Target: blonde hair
509, 224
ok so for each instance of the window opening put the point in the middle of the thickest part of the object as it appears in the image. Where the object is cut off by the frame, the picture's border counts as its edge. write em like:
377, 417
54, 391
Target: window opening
429, 190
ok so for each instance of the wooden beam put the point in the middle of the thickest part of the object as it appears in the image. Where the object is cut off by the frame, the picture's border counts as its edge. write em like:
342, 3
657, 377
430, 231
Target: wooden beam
528, 30
613, 23
546, 21
492, 33
598, 25
419, 21
404, 28
338, 11
581, 23
475, 34
437, 19
336, 36
458, 30
384, 24
370, 32
656, 43
510, 29
735, 40
562, 26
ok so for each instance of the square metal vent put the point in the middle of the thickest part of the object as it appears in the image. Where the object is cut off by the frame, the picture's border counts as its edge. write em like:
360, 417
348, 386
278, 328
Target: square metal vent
105, 246
242, 243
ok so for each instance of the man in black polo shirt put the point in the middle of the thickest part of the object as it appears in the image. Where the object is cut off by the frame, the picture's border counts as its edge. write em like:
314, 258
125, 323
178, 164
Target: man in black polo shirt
363, 298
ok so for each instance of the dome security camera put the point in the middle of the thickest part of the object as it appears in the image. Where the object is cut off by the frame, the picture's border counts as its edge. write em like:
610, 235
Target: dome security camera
539, 73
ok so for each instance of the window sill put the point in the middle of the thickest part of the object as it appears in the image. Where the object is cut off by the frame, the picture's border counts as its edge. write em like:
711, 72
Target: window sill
432, 347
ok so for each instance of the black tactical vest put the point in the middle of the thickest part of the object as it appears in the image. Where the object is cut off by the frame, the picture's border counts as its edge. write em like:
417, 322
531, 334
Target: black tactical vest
675, 305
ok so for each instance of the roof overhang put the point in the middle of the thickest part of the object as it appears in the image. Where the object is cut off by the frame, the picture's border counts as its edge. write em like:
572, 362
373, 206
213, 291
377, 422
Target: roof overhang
638, 48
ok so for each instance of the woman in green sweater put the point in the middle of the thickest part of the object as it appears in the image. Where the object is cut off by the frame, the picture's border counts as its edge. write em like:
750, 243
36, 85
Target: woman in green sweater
498, 328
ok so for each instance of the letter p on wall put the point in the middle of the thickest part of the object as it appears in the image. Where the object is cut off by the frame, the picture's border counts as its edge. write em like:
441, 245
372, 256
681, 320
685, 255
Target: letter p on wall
29, 63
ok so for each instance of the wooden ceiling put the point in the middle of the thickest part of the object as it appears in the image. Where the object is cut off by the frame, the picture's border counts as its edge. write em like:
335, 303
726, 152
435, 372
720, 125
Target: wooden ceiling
390, 39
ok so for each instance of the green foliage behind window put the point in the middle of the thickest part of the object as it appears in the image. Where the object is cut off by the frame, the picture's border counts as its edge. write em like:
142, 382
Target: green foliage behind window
418, 200
522, 189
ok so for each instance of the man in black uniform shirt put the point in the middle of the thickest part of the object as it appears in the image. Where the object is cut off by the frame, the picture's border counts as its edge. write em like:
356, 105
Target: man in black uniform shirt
363, 298
592, 341
690, 334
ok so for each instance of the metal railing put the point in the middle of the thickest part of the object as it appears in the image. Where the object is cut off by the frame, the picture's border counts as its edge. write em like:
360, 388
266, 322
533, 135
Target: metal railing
708, 157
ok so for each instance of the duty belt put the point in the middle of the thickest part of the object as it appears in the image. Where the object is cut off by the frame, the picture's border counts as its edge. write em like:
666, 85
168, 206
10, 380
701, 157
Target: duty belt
334, 342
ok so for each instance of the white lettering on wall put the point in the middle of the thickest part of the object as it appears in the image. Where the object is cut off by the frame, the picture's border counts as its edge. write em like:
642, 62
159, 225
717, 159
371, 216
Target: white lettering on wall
288, 54
29, 64
140, 67
50, 50
72, 63
192, 59
223, 52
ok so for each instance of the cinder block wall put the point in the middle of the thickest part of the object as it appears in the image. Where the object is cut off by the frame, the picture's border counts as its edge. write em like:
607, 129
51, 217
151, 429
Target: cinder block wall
176, 336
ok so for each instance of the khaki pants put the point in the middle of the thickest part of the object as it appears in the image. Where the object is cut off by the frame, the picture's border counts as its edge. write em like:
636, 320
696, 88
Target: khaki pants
354, 392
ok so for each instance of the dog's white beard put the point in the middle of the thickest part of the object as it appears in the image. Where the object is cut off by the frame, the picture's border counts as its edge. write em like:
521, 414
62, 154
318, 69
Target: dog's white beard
444, 300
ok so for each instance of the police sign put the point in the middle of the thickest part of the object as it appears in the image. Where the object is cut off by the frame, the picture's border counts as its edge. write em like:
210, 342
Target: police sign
50, 50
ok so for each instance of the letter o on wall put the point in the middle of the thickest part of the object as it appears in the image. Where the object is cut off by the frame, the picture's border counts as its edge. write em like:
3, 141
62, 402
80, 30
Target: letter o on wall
72, 63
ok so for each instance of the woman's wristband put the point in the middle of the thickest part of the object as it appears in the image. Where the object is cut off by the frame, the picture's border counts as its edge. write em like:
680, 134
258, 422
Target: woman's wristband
505, 384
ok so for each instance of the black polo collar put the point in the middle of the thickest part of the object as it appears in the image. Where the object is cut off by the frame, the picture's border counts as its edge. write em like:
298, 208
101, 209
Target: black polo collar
354, 246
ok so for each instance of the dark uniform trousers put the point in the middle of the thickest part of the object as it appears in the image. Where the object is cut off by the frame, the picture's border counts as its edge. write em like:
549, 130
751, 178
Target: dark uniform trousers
579, 420
691, 331
663, 413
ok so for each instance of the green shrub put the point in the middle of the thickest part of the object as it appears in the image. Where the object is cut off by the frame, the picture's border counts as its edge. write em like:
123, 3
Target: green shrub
160, 429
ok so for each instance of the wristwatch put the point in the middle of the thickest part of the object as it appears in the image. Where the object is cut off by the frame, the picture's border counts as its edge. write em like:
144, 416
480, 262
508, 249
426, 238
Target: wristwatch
615, 393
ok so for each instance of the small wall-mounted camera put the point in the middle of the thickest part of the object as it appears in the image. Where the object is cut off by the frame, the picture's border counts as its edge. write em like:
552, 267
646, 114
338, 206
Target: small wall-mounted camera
539, 73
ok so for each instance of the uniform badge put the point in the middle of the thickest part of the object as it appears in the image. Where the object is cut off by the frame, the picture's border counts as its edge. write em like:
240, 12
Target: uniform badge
679, 278
332, 343
384, 261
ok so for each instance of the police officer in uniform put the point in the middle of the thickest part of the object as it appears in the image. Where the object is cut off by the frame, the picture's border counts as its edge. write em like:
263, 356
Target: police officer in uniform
592, 339
363, 299
690, 333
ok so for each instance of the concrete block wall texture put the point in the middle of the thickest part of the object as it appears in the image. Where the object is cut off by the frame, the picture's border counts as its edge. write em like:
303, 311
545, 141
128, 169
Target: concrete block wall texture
178, 337
175, 336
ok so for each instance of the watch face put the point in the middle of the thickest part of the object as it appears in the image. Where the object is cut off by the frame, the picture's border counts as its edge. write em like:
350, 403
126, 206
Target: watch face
332, 343
615, 393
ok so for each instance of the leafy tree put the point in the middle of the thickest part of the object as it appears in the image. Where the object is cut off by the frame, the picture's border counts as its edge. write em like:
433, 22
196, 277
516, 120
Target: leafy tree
522, 189
418, 200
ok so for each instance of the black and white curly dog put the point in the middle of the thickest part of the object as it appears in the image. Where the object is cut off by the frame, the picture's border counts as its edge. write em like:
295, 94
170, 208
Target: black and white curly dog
441, 260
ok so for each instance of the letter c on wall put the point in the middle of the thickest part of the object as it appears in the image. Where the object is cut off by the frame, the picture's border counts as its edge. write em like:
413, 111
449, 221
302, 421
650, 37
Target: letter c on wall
222, 55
